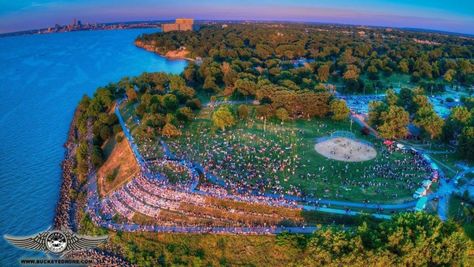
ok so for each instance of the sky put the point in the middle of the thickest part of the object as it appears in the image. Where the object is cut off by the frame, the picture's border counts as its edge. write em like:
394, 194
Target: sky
444, 15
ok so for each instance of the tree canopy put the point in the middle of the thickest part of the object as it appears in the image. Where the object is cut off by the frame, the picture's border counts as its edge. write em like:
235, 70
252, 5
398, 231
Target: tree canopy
223, 118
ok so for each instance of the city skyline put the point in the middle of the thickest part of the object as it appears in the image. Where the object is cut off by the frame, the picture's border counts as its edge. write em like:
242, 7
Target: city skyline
457, 16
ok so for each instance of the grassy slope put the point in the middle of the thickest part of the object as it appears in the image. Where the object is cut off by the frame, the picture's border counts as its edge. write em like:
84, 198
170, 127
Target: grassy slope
121, 165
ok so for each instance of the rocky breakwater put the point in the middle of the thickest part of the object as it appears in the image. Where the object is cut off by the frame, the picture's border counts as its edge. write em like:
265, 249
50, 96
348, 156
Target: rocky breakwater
68, 207
99, 258
64, 211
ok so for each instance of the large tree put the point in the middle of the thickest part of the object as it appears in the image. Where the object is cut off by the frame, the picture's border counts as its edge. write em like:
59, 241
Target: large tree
339, 109
169, 130
223, 117
459, 118
427, 119
282, 114
243, 111
323, 72
375, 111
245, 87
394, 123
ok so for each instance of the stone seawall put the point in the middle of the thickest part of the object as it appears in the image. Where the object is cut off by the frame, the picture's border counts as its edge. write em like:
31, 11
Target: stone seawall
63, 214
67, 209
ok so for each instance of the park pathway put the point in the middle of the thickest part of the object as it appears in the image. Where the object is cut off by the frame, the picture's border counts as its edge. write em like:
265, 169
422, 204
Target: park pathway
445, 190
215, 179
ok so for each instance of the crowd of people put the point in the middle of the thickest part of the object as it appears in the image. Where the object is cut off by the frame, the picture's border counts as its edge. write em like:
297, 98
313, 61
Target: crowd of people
235, 154
176, 172
251, 162
403, 174
151, 197
253, 166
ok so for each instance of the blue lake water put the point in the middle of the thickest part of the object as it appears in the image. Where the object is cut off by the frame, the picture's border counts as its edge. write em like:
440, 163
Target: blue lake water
42, 79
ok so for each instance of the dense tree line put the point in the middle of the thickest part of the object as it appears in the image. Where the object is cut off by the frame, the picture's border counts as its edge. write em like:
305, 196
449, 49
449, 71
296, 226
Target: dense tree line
162, 102
459, 127
332, 53
286, 67
96, 112
392, 116
410, 239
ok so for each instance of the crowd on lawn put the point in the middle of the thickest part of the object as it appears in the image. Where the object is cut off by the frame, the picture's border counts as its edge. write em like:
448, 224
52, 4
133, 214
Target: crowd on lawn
175, 171
252, 163
405, 173
149, 148
150, 197
235, 154
232, 155
256, 163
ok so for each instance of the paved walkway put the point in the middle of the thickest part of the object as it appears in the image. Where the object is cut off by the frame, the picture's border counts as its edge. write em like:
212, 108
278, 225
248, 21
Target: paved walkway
444, 193
312, 204
219, 181
231, 102
360, 120
93, 203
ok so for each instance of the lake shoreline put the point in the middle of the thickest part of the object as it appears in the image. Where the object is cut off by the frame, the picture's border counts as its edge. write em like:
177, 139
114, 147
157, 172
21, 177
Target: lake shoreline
67, 212
51, 73
64, 206
172, 55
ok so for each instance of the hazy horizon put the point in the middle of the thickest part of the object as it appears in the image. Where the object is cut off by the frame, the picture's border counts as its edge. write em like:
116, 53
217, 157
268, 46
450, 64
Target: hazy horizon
444, 15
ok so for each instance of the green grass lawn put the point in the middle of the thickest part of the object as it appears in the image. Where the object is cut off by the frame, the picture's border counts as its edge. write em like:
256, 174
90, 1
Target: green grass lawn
285, 155
447, 162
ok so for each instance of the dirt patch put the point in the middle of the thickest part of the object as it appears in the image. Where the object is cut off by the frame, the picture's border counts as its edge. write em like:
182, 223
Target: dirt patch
119, 168
345, 149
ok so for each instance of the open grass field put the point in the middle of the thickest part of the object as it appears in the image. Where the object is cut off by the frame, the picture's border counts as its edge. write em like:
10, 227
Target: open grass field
281, 158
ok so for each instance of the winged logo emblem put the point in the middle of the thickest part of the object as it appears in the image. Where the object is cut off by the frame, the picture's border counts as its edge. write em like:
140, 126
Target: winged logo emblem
56, 241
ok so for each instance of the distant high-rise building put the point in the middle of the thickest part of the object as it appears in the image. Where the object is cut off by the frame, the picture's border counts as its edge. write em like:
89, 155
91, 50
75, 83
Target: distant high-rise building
74, 22
181, 24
